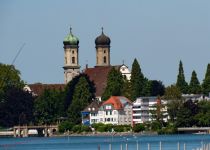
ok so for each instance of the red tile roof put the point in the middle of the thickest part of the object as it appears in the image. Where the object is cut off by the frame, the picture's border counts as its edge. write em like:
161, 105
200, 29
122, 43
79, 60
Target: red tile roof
117, 102
38, 88
99, 76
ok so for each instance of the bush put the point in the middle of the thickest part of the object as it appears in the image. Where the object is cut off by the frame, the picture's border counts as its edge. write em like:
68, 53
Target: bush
65, 126
138, 128
85, 128
76, 129
155, 126
170, 129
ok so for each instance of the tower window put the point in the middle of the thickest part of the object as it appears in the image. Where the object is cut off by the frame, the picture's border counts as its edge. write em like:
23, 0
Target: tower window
104, 59
72, 52
73, 60
104, 51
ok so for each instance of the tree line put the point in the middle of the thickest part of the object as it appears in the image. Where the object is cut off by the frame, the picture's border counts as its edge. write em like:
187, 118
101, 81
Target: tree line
19, 107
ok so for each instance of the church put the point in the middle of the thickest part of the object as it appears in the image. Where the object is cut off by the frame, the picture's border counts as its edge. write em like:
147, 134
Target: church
98, 74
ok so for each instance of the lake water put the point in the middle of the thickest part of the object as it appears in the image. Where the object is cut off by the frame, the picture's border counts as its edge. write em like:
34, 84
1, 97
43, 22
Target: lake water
169, 142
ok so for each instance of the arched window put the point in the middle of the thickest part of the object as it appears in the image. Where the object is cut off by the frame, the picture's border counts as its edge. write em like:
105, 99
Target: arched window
104, 59
73, 60
65, 60
72, 52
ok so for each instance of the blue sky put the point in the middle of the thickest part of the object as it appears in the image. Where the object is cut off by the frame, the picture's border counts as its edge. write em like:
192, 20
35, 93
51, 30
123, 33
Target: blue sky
157, 32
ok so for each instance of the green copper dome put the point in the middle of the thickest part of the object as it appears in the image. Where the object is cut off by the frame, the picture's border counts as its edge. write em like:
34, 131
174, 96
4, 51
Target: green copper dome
71, 39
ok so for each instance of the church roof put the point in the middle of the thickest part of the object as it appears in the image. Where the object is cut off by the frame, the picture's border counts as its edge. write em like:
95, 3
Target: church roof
99, 76
38, 88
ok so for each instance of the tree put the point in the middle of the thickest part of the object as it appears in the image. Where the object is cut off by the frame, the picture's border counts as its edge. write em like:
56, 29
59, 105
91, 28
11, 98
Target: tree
194, 86
173, 95
114, 84
186, 113
137, 81
154, 88
126, 91
81, 98
70, 88
206, 81
17, 107
9, 77
202, 118
181, 83
49, 107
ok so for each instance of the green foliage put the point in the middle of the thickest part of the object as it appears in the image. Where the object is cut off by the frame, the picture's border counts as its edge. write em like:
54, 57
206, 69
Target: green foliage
172, 93
70, 88
206, 81
137, 81
17, 107
170, 129
100, 127
173, 108
194, 87
156, 125
81, 128
186, 113
138, 128
49, 107
126, 90
181, 83
65, 126
114, 84
82, 96
9, 77
202, 117
157, 88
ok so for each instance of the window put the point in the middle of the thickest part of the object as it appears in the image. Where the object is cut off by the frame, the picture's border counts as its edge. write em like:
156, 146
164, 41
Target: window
106, 112
72, 52
104, 59
110, 112
73, 60
104, 51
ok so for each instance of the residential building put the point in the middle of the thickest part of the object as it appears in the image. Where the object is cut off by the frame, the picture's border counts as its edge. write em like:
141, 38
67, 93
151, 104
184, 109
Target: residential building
144, 107
116, 110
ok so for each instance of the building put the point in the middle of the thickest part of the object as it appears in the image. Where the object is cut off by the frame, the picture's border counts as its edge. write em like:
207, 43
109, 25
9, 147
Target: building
90, 113
99, 73
144, 106
71, 57
116, 110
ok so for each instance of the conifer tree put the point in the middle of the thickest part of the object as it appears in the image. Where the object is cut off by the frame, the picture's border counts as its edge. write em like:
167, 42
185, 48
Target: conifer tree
126, 88
181, 83
81, 98
194, 87
206, 81
137, 81
114, 84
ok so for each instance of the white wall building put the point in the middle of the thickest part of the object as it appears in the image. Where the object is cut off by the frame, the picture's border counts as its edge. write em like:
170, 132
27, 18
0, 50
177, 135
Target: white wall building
143, 106
116, 110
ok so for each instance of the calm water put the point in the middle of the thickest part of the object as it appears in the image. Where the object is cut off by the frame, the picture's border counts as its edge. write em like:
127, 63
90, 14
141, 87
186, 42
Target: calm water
169, 142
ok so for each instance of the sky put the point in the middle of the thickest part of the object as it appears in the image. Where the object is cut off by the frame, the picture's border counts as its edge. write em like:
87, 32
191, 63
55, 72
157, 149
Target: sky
158, 33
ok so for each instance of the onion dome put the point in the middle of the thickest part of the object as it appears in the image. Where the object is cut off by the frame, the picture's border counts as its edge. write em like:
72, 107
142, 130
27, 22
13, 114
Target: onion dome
70, 39
102, 40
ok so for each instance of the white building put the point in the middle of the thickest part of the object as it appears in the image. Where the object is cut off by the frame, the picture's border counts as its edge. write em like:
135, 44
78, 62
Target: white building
143, 106
116, 110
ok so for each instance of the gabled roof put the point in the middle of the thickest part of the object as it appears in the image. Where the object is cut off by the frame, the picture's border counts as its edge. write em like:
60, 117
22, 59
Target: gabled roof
95, 104
118, 102
99, 76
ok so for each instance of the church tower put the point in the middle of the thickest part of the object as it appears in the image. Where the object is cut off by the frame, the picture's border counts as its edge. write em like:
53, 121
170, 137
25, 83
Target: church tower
71, 54
102, 50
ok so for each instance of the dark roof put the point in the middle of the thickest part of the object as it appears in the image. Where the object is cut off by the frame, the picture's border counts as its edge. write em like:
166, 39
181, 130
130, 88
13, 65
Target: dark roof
99, 76
95, 104
38, 88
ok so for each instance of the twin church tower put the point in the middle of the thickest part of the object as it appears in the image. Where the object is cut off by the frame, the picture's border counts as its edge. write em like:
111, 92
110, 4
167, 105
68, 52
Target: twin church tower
71, 53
